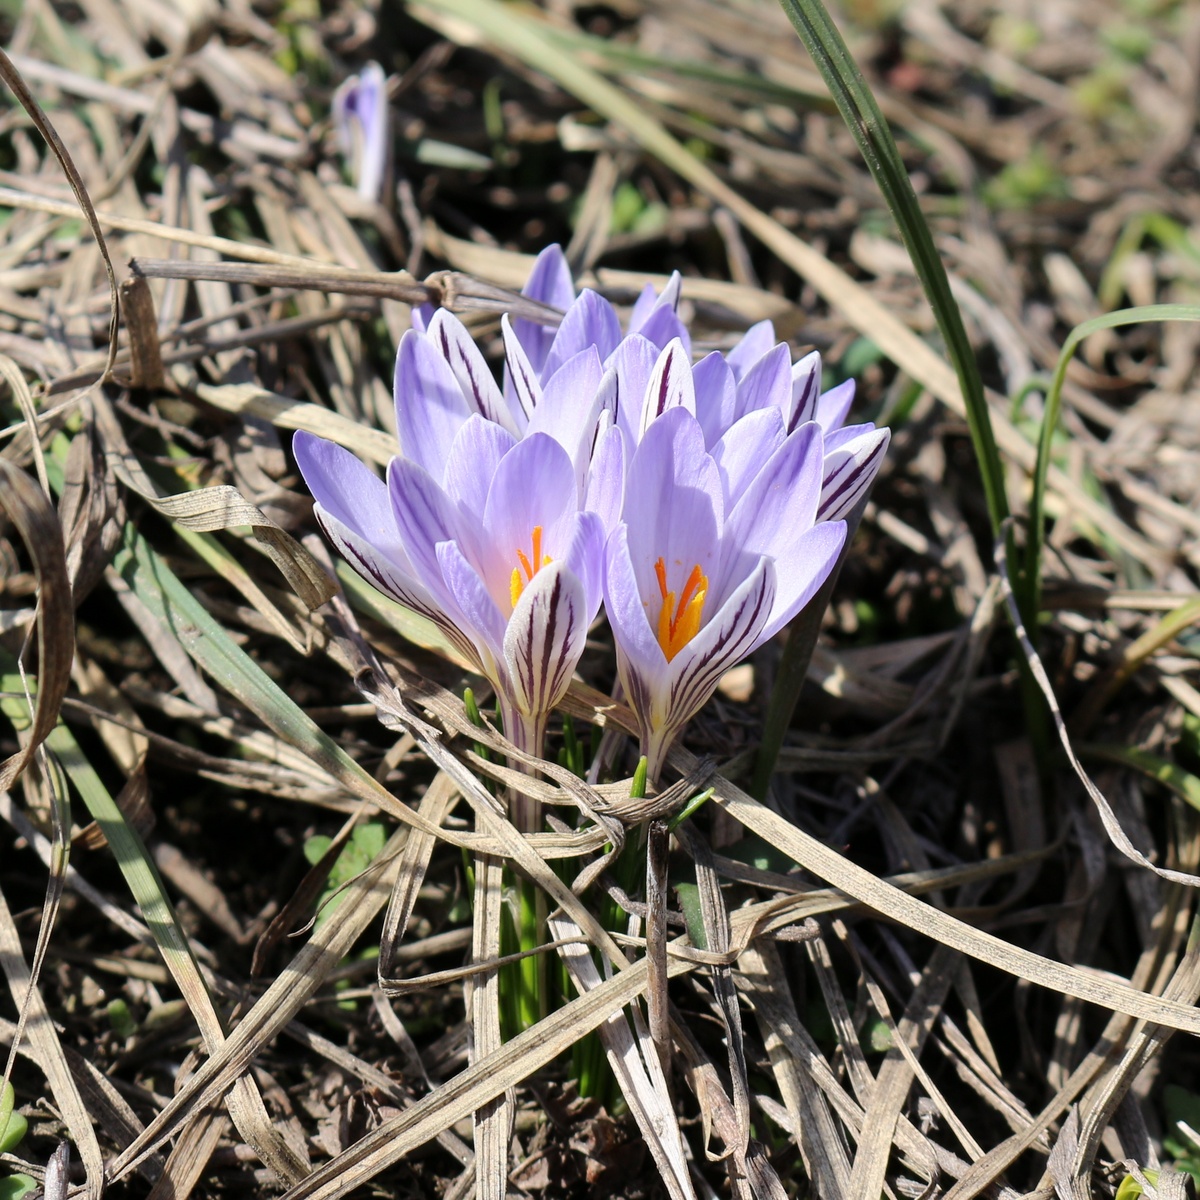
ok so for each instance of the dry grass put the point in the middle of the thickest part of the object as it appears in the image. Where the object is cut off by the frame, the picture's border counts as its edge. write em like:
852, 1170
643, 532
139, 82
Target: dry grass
920, 969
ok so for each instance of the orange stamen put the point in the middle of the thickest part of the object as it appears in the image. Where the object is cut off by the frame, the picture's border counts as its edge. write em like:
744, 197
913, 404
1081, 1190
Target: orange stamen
679, 622
531, 566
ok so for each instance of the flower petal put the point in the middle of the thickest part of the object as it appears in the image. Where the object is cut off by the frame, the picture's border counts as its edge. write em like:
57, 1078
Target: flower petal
623, 389
806, 391
801, 569
522, 390
731, 634
570, 405
745, 447
424, 516
716, 396
606, 478
779, 502
674, 503
834, 405
474, 457
549, 283
650, 301
755, 342
482, 620
849, 472
670, 385
663, 326
545, 637
767, 383
640, 659
430, 408
451, 339
590, 321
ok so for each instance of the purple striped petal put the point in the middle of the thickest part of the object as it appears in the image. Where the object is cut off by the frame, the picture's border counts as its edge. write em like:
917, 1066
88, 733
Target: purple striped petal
849, 472
430, 408
521, 387
451, 339
545, 637
590, 321
569, 407
424, 516
806, 391
626, 377
670, 386
481, 618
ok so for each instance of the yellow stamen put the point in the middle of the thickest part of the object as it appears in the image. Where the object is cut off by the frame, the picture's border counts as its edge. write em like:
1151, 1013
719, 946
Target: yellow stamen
530, 565
679, 622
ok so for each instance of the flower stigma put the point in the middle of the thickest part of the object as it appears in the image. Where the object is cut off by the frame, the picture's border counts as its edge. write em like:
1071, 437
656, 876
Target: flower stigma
679, 622
530, 564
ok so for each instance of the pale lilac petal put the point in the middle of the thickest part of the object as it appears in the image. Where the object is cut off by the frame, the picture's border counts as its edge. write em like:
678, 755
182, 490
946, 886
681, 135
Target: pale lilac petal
645, 304
474, 457
729, 635
801, 569
670, 386
549, 283
424, 516
846, 434
606, 478
766, 383
348, 491
673, 503
834, 406
650, 301
663, 326
570, 405
534, 486
582, 553
623, 389
780, 501
755, 342
374, 116
522, 390
806, 391
849, 473
716, 396
545, 637
451, 339
482, 619
430, 408
642, 661
745, 448
421, 315
590, 321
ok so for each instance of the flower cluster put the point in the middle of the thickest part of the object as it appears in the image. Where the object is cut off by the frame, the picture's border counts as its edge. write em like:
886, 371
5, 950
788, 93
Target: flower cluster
703, 503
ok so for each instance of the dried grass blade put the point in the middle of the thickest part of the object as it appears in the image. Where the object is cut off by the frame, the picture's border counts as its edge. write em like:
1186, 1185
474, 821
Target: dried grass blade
13, 78
137, 866
513, 1062
48, 1051
31, 512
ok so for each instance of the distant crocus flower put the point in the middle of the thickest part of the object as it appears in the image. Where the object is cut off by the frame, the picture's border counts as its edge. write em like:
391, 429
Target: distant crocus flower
483, 534
361, 121
718, 550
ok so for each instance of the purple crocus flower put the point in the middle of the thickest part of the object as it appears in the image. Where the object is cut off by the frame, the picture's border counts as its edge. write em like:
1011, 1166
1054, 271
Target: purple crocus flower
484, 535
718, 550
361, 120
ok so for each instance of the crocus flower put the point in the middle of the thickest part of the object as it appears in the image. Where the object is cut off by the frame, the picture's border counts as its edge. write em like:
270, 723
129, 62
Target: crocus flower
483, 534
361, 121
717, 551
